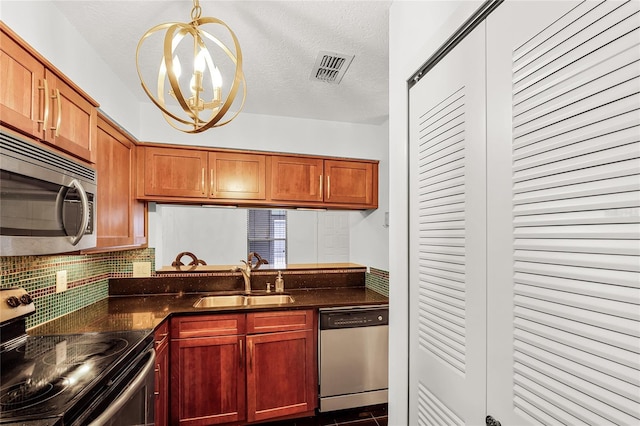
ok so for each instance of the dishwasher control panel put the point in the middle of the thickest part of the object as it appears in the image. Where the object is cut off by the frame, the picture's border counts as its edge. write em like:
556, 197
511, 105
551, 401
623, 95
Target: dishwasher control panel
353, 317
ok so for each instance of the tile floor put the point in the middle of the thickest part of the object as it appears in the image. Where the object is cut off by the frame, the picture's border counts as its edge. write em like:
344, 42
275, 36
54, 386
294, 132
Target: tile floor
375, 415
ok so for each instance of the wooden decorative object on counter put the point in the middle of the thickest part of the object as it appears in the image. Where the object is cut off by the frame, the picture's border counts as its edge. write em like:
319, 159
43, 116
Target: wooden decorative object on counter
194, 260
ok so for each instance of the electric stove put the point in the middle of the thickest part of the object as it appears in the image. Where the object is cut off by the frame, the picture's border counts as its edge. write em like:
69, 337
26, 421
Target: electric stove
56, 379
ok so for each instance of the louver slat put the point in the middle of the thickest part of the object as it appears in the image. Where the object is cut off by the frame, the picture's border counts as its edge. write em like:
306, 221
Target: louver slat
576, 210
441, 228
431, 411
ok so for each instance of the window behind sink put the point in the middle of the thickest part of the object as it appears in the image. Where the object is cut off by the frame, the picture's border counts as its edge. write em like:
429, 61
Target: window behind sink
267, 234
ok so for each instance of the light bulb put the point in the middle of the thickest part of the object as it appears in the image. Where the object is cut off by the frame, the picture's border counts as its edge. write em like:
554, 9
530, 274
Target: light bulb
199, 62
192, 84
216, 77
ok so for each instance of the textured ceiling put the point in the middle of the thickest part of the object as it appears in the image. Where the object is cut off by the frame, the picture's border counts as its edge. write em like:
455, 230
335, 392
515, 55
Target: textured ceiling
280, 41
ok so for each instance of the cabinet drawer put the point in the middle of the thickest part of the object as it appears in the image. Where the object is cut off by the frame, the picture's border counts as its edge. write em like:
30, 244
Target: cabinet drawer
161, 336
207, 326
268, 322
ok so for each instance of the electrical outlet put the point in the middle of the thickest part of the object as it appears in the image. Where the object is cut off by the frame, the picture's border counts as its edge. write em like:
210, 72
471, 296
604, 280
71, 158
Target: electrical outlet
61, 281
141, 269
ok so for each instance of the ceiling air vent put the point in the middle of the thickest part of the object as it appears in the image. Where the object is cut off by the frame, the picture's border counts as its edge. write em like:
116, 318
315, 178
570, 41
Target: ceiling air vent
330, 67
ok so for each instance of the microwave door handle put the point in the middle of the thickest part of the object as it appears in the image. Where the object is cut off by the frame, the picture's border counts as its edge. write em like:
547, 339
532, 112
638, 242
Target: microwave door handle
85, 211
135, 385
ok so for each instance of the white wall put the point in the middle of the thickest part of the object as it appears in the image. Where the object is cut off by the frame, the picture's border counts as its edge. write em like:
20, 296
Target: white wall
416, 30
47, 30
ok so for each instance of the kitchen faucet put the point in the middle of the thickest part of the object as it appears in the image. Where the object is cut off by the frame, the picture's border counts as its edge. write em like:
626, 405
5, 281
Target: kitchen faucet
248, 267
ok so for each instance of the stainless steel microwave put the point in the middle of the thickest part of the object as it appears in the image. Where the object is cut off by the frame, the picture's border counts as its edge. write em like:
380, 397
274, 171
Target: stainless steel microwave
47, 201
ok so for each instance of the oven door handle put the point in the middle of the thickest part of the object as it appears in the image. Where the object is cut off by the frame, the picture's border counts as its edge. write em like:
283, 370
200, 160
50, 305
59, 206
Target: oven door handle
133, 387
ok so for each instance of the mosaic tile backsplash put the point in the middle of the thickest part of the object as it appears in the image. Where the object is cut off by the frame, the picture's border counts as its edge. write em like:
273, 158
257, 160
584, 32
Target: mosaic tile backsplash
378, 280
87, 279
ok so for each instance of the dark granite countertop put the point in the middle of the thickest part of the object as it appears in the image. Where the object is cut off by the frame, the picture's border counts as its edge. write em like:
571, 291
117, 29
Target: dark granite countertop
147, 311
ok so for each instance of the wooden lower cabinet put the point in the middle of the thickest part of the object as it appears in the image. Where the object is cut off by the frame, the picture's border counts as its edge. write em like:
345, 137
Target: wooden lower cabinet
207, 370
241, 368
161, 391
280, 374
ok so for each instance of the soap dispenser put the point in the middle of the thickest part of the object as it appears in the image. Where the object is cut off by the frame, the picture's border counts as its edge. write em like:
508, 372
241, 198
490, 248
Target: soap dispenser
279, 283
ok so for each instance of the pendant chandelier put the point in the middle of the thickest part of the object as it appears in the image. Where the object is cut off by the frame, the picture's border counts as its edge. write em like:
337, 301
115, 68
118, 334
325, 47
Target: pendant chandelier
195, 102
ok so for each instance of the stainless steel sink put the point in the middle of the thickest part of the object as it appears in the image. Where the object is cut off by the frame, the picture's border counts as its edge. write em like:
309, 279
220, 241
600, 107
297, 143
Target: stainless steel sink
217, 301
242, 300
269, 299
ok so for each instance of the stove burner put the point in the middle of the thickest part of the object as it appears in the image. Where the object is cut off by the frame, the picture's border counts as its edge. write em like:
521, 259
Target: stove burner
28, 393
80, 352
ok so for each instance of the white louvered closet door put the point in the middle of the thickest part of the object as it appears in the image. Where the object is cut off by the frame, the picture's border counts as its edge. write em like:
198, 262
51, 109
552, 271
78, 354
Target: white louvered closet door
447, 239
564, 213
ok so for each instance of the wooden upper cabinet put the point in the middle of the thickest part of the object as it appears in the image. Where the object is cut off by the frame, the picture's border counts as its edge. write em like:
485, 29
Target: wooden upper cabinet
237, 176
175, 172
72, 120
121, 218
209, 176
351, 182
36, 99
22, 89
296, 178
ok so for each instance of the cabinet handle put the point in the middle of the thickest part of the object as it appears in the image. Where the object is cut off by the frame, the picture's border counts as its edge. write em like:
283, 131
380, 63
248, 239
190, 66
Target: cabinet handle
320, 186
158, 379
328, 187
241, 354
250, 356
161, 341
45, 112
56, 129
203, 180
211, 182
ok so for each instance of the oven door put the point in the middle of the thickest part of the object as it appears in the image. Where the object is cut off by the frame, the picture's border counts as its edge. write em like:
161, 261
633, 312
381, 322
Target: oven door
130, 399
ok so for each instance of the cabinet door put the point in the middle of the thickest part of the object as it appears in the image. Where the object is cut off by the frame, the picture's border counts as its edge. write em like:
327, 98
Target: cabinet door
175, 172
22, 91
120, 217
207, 380
296, 178
281, 374
237, 176
162, 376
73, 120
564, 225
351, 182
447, 237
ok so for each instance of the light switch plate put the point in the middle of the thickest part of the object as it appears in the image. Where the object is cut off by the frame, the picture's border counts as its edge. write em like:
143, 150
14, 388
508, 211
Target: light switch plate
141, 269
61, 281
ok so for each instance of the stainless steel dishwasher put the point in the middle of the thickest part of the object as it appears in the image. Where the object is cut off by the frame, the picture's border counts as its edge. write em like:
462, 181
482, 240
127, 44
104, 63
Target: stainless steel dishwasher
353, 356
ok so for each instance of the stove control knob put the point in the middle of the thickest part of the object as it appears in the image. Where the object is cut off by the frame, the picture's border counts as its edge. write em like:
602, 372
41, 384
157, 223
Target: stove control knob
13, 301
26, 299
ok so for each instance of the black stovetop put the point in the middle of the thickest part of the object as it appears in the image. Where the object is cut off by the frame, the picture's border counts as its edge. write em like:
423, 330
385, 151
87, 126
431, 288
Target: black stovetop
47, 378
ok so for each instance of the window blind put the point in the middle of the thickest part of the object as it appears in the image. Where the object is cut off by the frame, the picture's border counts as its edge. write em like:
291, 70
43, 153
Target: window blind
267, 234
